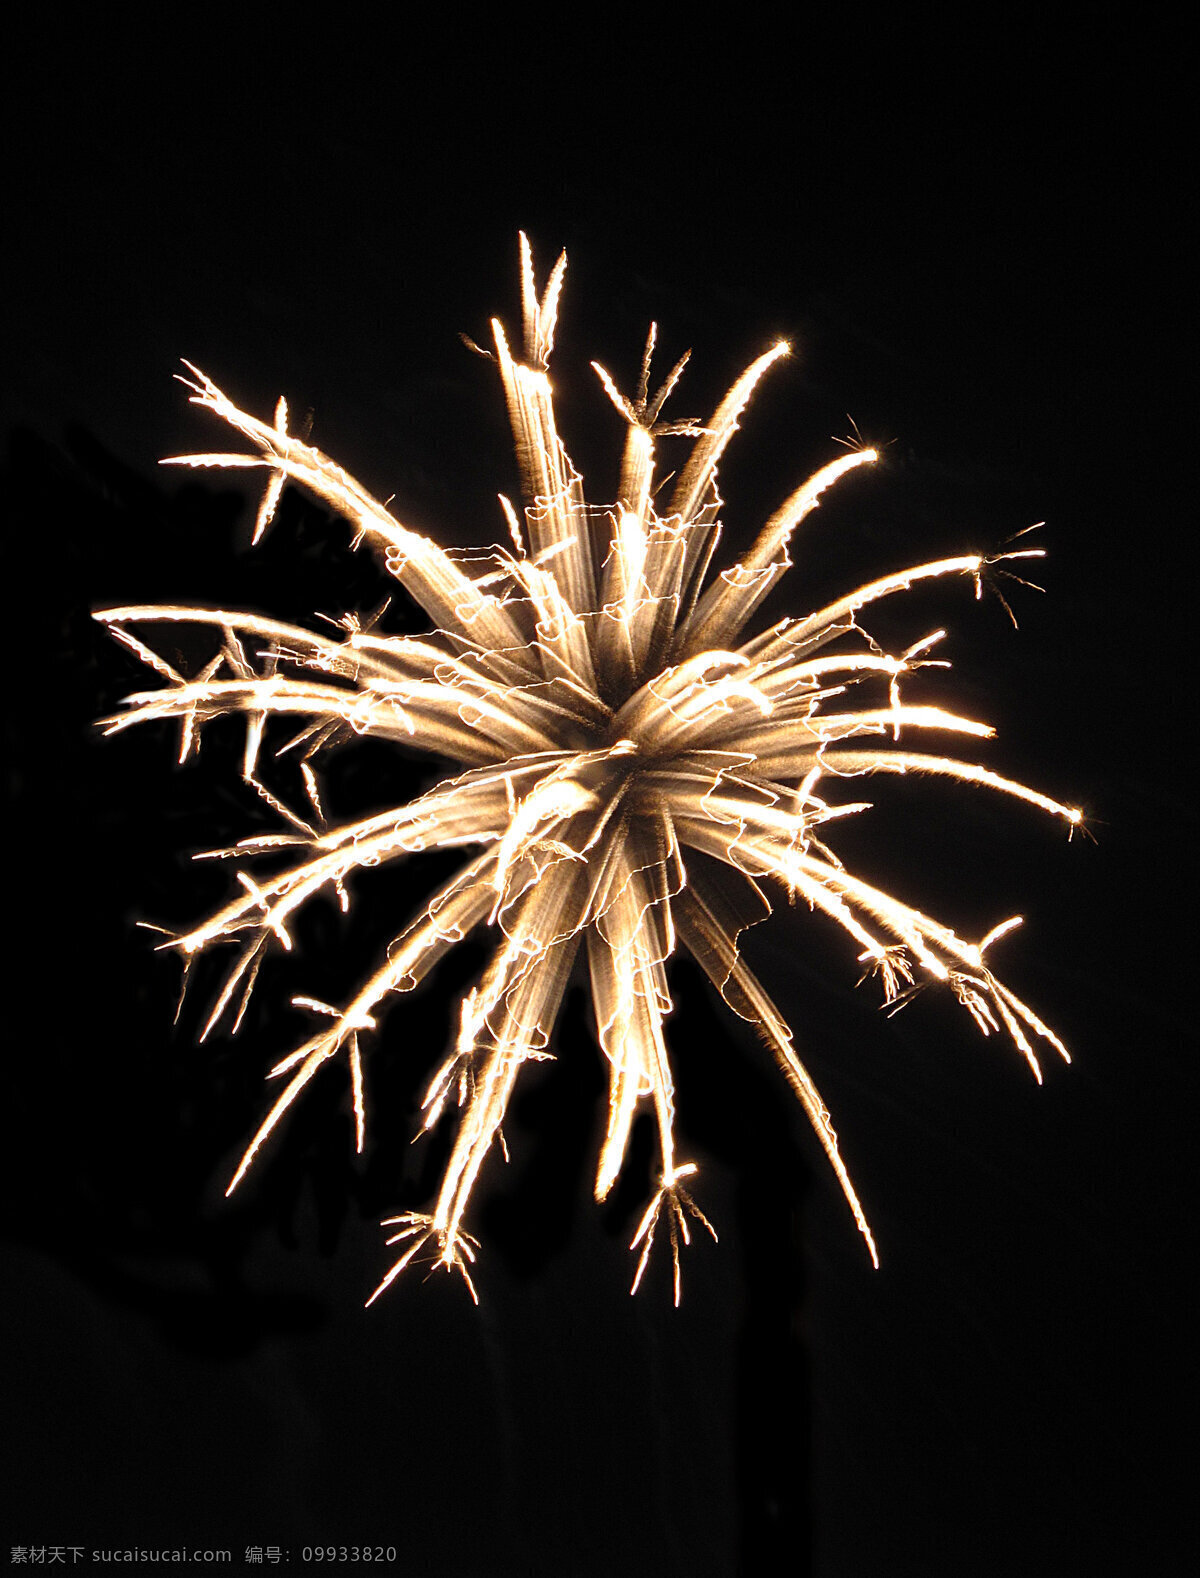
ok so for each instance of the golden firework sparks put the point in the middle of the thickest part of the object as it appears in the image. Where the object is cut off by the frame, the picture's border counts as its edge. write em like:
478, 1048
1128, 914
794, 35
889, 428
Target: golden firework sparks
636, 772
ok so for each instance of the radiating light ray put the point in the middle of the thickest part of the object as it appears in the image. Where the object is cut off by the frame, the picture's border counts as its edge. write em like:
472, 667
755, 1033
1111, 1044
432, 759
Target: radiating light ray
631, 772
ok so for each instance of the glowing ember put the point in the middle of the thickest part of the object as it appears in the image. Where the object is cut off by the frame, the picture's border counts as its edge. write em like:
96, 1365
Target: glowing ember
633, 767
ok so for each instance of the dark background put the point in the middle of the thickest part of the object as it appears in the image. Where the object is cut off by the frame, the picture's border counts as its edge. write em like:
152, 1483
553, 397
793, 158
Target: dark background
974, 238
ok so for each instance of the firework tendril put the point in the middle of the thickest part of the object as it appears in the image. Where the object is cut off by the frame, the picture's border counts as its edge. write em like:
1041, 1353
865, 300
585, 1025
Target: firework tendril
634, 772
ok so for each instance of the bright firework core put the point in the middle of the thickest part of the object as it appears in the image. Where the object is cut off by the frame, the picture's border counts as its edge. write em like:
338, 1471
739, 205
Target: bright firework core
635, 771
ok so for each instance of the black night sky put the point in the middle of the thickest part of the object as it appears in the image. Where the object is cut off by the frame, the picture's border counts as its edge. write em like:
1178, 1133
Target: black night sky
974, 240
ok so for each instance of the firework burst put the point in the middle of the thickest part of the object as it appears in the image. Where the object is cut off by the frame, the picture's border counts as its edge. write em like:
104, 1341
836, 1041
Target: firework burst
633, 772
